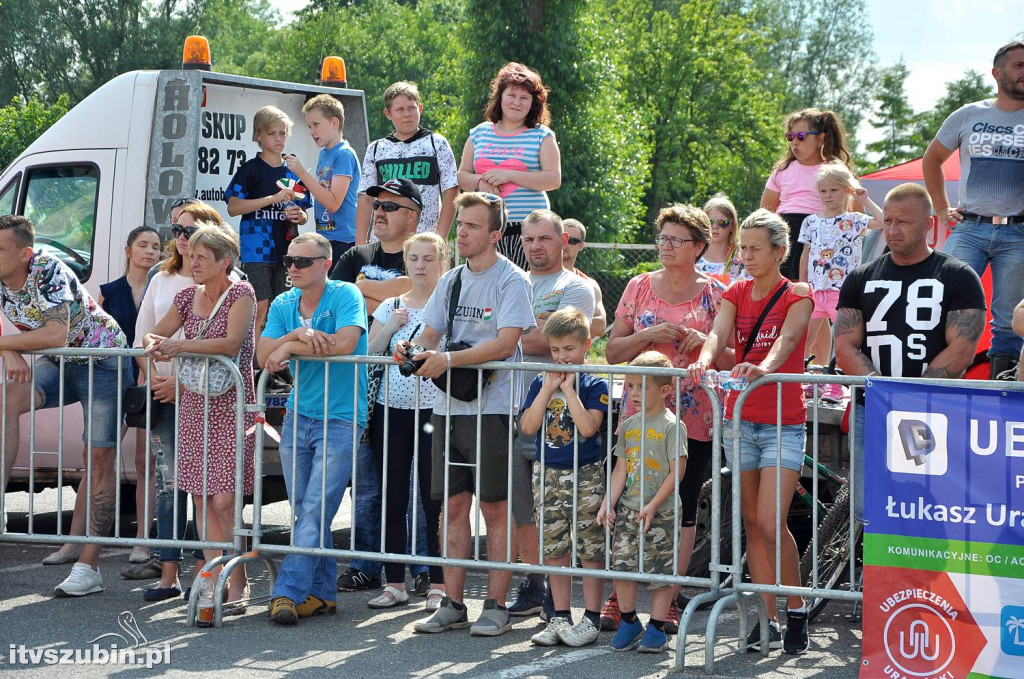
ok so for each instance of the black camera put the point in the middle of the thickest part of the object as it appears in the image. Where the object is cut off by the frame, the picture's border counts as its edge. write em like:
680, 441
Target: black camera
410, 366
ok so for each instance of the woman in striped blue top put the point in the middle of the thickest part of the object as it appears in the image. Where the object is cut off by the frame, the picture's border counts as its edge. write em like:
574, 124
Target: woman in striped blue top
513, 153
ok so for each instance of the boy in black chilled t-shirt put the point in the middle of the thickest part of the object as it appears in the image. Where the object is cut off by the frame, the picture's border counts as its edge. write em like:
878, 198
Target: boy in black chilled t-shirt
270, 214
913, 312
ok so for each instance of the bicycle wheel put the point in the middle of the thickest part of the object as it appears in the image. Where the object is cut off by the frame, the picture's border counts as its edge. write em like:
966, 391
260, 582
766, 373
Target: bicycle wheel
700, 562
833, 551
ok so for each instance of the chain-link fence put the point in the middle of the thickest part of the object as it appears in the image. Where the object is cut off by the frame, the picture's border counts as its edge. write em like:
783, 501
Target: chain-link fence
613, 264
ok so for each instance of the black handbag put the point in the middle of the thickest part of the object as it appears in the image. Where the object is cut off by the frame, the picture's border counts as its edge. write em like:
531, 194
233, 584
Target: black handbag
459, 383
134, 406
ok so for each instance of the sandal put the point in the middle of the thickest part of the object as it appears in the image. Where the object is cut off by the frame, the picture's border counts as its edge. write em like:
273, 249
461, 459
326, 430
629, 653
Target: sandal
238, 606
434, 597
390, 597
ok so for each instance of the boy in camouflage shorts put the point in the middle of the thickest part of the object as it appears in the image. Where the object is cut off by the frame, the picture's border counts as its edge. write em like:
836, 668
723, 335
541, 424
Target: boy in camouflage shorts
651, 453
565, 411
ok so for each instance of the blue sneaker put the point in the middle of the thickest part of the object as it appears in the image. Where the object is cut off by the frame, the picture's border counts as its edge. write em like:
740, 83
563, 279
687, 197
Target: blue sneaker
654, 641
628, 636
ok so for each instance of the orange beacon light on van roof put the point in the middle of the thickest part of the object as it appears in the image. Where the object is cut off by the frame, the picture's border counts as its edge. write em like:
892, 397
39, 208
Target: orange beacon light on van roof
196, 54
332, 72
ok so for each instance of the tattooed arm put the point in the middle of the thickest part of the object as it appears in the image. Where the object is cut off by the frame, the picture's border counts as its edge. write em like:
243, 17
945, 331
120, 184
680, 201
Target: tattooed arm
963, 330
51, 333
849, 332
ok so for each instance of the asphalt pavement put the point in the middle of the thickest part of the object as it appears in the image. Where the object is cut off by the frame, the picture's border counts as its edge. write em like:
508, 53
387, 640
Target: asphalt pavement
358, 642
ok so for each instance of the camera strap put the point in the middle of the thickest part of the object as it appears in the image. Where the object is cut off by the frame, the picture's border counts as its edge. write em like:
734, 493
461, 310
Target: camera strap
453, 303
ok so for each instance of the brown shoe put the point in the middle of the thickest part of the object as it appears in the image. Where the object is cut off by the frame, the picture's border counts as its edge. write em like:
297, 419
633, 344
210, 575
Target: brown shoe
282, 611
314, 605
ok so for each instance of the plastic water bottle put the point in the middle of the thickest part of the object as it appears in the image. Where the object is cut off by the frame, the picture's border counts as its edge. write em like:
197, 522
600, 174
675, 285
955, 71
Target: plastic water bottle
725, 380
204, 610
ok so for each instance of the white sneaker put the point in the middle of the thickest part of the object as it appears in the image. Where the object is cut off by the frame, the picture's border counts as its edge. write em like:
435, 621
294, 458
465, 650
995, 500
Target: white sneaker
82, 580
582, 633
549, 636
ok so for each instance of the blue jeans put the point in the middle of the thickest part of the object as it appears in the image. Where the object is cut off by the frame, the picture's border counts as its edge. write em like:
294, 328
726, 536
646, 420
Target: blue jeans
367, 498
170, 501
421, 531
106, 429
979, 245
302, 575
759, 445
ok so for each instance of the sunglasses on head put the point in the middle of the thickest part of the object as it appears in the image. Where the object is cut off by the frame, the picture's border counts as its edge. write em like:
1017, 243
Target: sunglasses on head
803, 134
388, 206
177, 230
183, 201
573, 240
491, 198
299, 262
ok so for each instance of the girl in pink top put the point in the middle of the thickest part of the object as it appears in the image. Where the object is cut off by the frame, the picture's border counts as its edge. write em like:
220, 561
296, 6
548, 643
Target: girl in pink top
814, 137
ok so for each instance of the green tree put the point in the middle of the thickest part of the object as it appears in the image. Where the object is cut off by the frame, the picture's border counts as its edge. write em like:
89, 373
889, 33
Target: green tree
895, 118
22, 121
713, 123
971, 86
570, 43
418, 47
820, 55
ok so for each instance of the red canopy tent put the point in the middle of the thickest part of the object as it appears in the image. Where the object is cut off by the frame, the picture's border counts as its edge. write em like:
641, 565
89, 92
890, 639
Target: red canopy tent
881, 182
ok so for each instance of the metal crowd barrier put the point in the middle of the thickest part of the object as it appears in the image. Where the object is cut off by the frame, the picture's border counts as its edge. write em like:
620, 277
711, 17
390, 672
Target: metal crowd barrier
739, 592
262, 549
229, 547
723, 587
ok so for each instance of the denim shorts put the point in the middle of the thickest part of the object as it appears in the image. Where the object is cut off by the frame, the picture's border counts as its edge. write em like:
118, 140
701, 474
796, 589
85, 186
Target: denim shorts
105, 395
758, 445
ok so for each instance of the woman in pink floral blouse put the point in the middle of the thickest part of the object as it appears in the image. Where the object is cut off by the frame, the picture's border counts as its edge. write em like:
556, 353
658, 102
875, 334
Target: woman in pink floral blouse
672, 310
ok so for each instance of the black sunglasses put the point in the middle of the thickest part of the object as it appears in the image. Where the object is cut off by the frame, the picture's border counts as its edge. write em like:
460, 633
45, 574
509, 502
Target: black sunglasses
575, 241
388, 206
299, 262
183, 201
177, 230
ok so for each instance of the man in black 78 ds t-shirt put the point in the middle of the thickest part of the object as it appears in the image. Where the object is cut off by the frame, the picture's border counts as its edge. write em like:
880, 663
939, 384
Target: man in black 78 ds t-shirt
913, 312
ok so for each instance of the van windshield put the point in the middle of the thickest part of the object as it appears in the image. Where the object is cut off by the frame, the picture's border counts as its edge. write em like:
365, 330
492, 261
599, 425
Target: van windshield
61, 202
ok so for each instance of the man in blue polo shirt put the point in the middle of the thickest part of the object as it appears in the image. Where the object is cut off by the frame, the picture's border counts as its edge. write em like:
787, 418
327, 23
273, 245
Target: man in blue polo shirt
317, 317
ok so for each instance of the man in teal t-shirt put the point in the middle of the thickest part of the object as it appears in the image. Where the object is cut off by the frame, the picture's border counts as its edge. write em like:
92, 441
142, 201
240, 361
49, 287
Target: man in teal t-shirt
317, 317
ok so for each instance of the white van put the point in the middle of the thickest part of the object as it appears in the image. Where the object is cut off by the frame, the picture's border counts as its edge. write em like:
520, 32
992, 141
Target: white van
120, 159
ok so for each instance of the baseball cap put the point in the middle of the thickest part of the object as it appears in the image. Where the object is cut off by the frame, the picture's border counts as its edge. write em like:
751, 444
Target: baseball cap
399, 187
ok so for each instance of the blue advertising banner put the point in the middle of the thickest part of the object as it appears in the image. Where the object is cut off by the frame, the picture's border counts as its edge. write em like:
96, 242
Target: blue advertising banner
944, 538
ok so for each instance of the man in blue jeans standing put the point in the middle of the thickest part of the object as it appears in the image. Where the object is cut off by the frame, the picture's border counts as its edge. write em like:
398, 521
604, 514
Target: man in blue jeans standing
988, 225
317, 317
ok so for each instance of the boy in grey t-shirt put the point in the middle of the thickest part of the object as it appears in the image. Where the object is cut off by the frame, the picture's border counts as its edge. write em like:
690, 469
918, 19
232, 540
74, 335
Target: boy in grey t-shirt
651, 453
